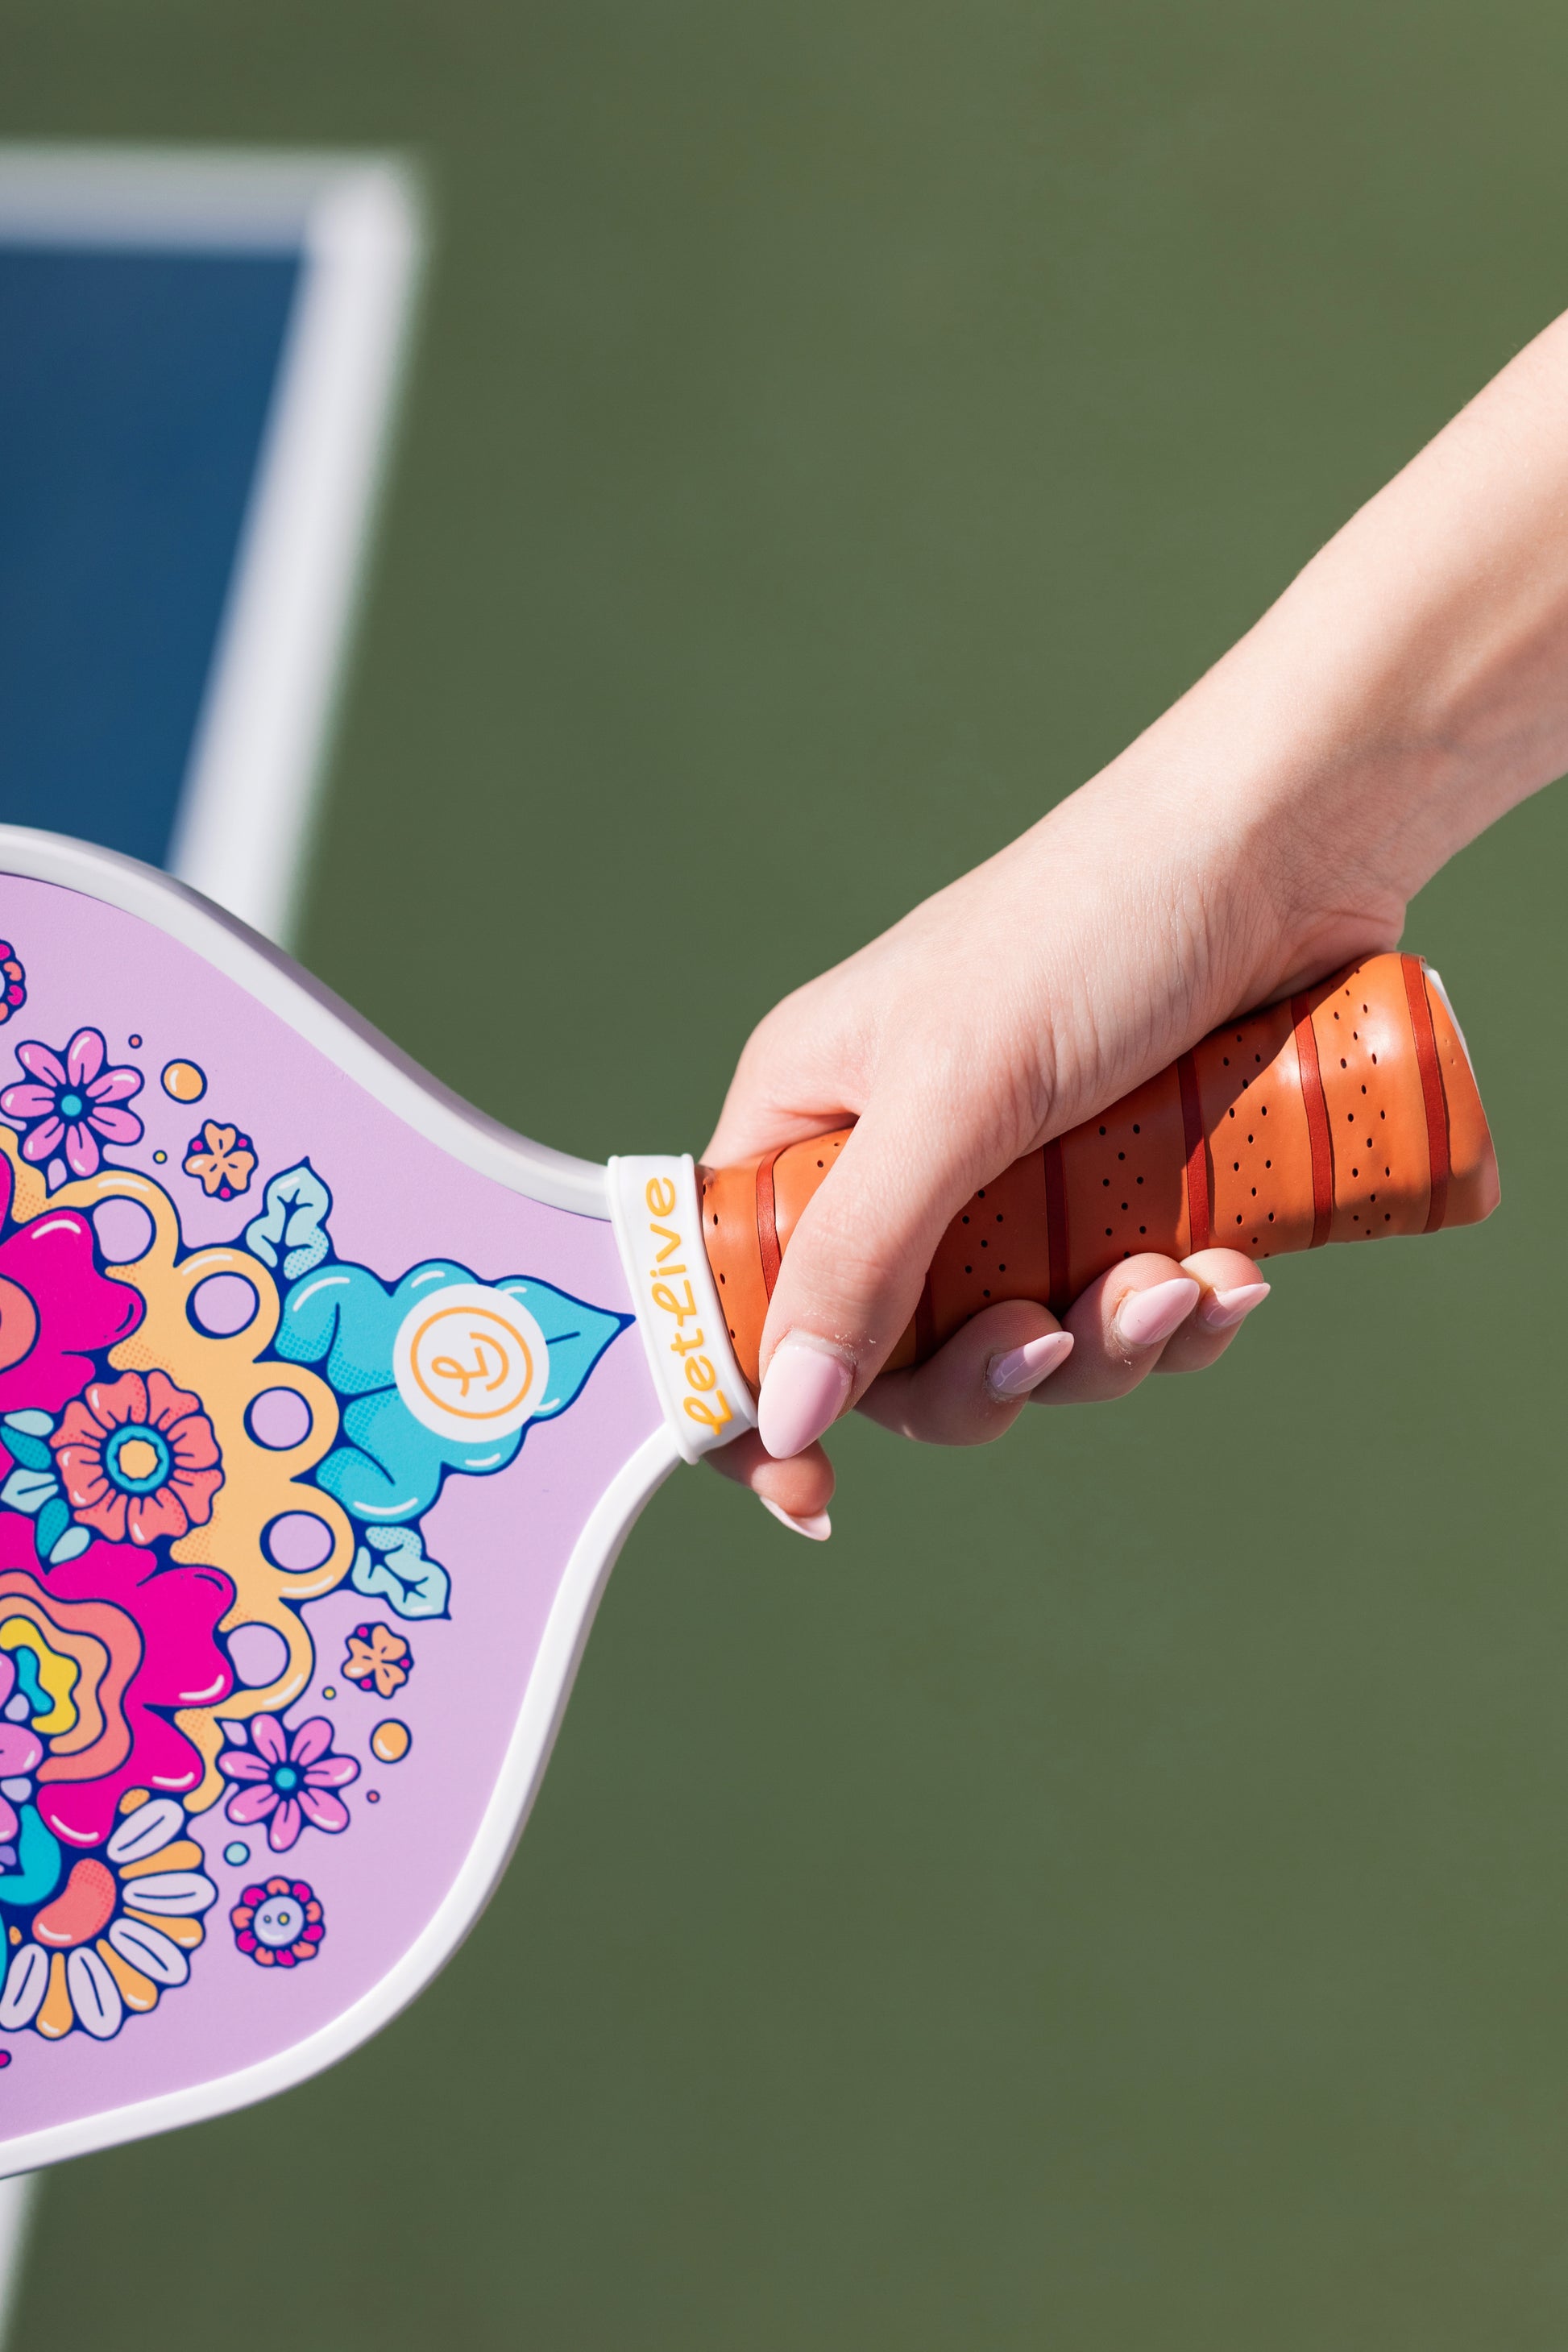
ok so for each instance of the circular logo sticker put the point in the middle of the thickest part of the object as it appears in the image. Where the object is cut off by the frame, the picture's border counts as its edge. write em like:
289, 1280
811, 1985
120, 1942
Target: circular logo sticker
471, 1362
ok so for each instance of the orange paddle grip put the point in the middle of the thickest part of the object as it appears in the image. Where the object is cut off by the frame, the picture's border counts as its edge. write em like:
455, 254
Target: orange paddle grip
1345, 1114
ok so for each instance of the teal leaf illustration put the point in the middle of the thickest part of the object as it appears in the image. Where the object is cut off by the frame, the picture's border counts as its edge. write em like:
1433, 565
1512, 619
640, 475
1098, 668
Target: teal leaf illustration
29, 1490
69, 1546
578, 1336
391, 1565
292, 1224
25, 1438
53, 1520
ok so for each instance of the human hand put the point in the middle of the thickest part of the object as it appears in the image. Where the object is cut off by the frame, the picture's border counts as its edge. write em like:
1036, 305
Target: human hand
954, 1063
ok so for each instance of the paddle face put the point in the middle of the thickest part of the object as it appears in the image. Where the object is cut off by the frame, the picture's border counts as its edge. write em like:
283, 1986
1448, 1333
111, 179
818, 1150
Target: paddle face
322, 1416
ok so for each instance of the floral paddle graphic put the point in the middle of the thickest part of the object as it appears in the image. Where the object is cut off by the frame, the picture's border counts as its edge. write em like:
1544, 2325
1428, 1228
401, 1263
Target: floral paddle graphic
278, 1924
199, 1446
72, 1106
137, 1457
288, 1783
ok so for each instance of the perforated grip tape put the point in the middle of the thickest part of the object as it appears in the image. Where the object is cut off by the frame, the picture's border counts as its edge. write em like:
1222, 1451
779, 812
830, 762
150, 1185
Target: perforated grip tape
1344, 1113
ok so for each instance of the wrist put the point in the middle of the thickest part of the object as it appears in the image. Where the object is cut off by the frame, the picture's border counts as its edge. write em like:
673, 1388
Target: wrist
1310, 796
1274, 833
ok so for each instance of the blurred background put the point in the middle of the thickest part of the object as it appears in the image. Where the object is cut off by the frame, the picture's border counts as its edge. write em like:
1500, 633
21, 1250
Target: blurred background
1116, 1893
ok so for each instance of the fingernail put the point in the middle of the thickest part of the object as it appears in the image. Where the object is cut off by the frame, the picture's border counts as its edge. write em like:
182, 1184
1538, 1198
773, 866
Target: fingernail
803, 1391
815, 1529
1222, 1310
1022, 1368
1147, 1316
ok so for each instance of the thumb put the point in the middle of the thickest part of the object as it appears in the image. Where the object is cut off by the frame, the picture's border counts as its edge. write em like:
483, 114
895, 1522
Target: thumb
852, 1274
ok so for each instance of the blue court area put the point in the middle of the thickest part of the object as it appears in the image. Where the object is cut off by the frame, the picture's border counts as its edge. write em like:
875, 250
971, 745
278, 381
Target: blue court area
135, 399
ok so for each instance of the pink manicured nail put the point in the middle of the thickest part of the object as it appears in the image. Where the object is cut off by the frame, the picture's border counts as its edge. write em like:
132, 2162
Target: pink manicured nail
804, 1393
1022, 1369
815, 1529
1147, 1316
1222, 1310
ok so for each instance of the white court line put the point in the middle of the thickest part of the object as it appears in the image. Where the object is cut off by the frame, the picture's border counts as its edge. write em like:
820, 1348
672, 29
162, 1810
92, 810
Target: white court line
247, 803
245, 815
18, 2211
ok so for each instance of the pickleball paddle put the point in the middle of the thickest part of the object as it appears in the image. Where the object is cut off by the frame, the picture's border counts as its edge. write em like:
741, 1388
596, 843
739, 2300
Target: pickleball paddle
326, 1403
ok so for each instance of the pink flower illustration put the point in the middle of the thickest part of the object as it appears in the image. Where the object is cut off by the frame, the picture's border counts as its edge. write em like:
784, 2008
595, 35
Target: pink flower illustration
278, 1924
137, 1457
55, 1308
73, 1107
167, 1616
288, 1781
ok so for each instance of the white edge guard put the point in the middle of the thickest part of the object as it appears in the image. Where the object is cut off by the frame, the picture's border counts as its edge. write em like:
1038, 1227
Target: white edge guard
686, 1338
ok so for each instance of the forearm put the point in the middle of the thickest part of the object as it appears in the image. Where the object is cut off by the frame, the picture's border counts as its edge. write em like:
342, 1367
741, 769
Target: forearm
1410, 686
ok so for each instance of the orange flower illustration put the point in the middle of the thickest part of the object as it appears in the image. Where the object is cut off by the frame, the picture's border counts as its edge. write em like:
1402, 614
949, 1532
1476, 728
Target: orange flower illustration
377, 1655
223, 1158
137, 1458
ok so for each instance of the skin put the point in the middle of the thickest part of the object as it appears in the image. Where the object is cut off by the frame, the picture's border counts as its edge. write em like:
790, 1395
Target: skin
1409, 687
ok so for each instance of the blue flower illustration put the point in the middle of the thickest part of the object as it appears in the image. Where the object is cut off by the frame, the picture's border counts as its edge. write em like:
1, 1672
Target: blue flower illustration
389, 1465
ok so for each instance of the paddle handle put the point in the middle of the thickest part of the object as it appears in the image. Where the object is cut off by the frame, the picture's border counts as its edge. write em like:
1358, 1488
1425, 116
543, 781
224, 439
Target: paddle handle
1345, 1114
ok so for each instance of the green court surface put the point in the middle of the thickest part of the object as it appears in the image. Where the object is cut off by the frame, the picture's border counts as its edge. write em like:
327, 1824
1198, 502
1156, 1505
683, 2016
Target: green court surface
1116, 1893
